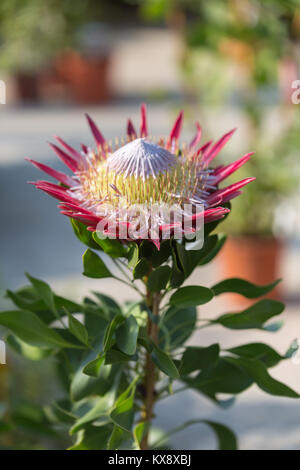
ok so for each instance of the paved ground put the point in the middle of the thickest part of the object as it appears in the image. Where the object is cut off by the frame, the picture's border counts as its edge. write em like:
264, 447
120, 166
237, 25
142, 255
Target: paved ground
34, 237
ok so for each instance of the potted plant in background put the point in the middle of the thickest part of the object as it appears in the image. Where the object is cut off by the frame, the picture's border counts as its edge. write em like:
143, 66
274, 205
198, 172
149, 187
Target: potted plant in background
264, 60
86, 69
242, 56
254, 250
24, 49
52, 51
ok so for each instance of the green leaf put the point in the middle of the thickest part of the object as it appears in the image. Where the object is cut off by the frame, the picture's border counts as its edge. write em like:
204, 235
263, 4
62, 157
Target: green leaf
159, 278
96, 325
225, 436
63, 303
30, 329
60, 412
26, 298
133, 255
83, 385
93, 438
253, 317
108, 337
93, 367
259, 373
164, 362
31, 420
242, 287
139, 432
114, 356
210, 227
100, 408
196, 358
123, 413
190, 296
109, 305
258, 351
43, 291
162, 255
223, 377
208, 245
141, 269
189, 259
146, 249
214, 251
176, 326
177, 275
84, 235
116, 438
129, 390
94, 266
78, 329
111, 247
5, 428
140, 312
33, 353
126, 335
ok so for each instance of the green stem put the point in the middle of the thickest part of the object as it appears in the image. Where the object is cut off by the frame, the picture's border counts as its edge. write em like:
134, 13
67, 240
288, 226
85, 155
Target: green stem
153, 301
121, 269
130, 284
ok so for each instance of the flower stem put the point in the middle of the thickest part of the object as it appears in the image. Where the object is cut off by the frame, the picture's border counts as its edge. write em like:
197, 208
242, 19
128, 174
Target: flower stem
153, 300
130, 283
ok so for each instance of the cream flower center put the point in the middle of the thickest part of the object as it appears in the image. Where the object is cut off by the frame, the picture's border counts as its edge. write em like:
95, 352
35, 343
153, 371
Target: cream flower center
140, 159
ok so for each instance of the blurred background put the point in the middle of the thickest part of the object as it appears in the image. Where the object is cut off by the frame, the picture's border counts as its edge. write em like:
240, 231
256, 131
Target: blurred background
227, 63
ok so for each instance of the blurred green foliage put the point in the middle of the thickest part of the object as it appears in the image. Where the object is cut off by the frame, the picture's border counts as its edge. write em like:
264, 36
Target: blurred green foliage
98, 352
32, 32
275, 166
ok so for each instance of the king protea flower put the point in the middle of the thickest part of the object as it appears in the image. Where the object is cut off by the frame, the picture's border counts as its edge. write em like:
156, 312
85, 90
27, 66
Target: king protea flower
109, 180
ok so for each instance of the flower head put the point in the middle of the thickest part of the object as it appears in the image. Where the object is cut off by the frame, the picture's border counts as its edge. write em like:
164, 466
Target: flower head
132, 183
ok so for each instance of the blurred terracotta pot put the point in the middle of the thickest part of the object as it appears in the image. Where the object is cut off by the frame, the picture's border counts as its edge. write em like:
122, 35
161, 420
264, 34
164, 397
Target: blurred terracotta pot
26, 85
87, 77
51, 87
255, 259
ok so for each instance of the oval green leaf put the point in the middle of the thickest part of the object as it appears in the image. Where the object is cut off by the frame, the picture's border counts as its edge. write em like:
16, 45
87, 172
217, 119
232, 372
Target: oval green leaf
164, 362
126, 335
93, 266
29, 328
111, 247
159, 278
190, 296
253, 317
242, 287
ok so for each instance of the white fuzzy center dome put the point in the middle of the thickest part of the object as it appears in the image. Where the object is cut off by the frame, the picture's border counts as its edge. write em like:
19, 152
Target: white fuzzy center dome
140, 159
